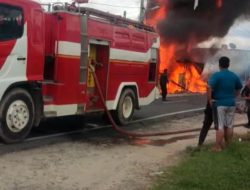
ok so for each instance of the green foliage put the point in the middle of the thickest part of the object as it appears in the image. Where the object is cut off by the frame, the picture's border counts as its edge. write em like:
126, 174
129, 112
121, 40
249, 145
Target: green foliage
205, 170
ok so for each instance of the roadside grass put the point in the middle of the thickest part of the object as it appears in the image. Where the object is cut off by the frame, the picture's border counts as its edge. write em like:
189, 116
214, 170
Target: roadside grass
205, 170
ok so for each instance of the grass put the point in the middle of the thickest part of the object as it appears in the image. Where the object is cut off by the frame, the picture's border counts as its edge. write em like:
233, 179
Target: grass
205, 170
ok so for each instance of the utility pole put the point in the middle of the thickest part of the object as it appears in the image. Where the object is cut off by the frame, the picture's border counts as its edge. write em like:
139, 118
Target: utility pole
125, 14
142, 11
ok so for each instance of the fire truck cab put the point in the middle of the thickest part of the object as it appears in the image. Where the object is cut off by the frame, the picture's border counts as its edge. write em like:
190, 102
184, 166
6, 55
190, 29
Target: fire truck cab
48, 61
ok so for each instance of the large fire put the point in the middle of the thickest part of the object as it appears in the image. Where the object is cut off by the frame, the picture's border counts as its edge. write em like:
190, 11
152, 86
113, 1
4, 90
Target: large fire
183, 76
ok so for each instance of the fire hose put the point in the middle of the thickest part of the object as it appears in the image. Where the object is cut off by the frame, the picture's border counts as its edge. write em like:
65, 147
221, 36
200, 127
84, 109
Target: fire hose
182, 87
128, 133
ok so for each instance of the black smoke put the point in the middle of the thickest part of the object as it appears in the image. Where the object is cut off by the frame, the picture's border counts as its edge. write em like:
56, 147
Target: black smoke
183, 23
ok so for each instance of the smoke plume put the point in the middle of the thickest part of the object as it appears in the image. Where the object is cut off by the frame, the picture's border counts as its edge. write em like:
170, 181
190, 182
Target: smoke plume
183, 24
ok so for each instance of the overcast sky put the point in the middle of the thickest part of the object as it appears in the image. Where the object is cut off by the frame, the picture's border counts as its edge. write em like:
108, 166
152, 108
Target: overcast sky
132, 7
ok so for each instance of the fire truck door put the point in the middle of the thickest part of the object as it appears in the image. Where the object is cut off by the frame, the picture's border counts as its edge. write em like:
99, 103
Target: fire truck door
99, 59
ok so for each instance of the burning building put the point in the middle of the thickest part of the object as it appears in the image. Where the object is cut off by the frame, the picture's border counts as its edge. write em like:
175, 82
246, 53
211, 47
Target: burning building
186, 24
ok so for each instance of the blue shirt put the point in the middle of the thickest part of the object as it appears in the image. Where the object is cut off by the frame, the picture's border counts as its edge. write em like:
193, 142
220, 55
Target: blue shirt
224, 84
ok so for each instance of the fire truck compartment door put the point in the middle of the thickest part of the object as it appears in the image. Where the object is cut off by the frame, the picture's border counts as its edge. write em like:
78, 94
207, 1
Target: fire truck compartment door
99, 59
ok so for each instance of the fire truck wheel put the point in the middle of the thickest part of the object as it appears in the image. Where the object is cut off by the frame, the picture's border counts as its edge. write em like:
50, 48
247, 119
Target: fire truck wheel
17, 113
125, 108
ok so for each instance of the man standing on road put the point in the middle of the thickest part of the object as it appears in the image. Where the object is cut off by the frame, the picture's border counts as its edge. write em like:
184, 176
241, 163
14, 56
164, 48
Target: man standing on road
225, 86
163, 84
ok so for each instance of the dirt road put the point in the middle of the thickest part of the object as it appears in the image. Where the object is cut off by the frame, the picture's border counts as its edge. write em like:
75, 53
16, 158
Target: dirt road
102, 164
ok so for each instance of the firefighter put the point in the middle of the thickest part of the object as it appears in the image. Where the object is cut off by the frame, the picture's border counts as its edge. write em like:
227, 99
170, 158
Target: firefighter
163, 84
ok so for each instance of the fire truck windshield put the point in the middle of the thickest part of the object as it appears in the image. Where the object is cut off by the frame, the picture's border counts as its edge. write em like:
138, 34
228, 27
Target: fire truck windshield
11, 22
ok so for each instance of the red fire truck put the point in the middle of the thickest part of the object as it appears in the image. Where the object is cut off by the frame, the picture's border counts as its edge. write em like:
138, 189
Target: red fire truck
45, 60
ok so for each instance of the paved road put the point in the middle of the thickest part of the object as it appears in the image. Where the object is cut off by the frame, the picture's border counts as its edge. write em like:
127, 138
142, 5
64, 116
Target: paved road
174, 104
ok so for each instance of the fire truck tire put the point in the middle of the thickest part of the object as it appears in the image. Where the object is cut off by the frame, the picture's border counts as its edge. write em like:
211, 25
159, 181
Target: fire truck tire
125, 108
17, 116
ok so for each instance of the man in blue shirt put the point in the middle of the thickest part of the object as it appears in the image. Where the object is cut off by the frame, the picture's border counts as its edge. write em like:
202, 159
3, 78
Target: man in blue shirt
225, 86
